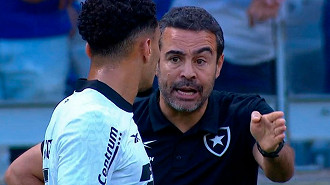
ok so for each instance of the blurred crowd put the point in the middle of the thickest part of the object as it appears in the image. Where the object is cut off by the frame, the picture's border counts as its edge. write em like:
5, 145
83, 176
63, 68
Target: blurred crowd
42, 54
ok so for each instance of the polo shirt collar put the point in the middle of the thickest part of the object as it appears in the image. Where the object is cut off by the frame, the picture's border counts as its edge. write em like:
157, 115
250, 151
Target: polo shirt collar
209, 122
106, 91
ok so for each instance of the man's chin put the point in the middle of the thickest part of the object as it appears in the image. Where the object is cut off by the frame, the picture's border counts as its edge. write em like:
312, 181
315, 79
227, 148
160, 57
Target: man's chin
185, 107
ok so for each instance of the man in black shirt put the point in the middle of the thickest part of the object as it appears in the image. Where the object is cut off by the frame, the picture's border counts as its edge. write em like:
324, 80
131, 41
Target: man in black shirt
194, 135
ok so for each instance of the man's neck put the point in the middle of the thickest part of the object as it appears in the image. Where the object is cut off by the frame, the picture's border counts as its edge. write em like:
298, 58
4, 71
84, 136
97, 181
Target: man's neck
121, 78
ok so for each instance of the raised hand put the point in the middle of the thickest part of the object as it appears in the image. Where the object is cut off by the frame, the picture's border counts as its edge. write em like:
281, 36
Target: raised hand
268, 129
262, 10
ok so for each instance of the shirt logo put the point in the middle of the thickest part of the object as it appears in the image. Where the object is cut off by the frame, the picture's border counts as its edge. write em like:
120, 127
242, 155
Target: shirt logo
136, 137
148, 142
110, 154
218, 143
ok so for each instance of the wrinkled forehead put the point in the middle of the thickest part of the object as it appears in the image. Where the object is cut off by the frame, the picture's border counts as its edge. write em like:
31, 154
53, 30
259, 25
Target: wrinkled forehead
187, 40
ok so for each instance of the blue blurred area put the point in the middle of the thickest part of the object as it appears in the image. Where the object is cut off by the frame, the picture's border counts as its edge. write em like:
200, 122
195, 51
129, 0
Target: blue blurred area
326, 33
162, 7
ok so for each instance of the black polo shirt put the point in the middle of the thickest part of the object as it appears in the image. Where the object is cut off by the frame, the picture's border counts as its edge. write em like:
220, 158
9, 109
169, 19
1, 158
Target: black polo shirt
217, 150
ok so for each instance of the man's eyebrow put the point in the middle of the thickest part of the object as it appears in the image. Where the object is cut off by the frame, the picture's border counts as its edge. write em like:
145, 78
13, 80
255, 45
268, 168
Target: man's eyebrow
201, 50
174, 52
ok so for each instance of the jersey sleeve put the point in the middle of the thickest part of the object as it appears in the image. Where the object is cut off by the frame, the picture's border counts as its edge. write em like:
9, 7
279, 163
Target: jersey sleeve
260, 105
86, 151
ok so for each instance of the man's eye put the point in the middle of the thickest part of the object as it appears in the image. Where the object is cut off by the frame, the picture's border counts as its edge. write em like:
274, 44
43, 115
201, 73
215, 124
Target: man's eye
200, 61
175, 59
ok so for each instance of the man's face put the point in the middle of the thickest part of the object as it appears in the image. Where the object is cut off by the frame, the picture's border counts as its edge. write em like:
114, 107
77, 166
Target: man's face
187, 68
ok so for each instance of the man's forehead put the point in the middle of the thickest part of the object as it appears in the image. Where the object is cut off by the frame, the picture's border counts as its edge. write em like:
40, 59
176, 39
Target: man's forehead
180, 31
176, 37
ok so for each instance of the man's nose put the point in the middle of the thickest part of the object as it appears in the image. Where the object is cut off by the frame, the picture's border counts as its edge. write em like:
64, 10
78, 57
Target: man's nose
188, 70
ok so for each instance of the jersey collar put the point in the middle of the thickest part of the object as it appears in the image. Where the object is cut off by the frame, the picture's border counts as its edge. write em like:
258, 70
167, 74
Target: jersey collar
106, 91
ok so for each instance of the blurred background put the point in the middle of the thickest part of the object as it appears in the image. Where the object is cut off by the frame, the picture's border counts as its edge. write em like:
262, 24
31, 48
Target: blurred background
302, 49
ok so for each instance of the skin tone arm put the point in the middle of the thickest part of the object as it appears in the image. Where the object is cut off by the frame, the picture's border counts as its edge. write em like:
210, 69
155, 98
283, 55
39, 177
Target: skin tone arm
262, 10
268, 130
26, 169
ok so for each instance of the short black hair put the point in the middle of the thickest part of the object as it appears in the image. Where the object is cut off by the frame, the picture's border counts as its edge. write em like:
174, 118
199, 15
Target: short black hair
194, 19
110, 26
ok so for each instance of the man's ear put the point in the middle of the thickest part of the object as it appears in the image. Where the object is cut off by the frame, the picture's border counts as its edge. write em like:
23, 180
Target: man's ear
219, 65
88, 50
146, 49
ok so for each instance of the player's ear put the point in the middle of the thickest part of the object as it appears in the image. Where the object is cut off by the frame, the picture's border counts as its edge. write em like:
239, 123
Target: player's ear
219, 64
88, 50
146, 49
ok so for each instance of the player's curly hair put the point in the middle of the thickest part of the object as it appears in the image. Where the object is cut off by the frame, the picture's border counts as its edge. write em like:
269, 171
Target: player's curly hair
110, 26
194, 19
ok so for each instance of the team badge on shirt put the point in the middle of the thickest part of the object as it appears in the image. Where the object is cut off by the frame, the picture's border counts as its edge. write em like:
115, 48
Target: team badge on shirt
218, 143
